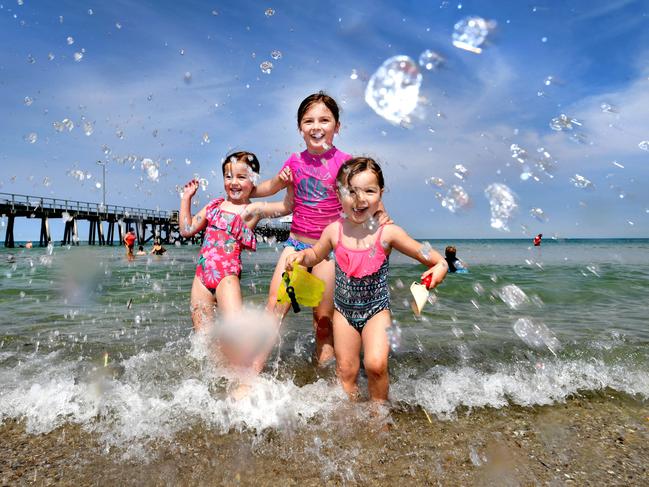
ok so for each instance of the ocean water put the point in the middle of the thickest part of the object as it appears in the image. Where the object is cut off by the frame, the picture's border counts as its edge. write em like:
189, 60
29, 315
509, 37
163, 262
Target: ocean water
89, 339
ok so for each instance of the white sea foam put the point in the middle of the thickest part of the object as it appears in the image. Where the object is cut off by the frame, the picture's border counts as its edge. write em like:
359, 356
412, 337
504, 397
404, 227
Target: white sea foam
442, 390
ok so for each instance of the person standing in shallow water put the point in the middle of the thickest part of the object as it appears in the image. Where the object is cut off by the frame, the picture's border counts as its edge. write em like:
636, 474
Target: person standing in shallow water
537, 240
313, 178
129, 243
362, 319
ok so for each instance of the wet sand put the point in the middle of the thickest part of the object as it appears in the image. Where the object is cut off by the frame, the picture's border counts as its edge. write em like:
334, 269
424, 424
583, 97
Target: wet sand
601, 439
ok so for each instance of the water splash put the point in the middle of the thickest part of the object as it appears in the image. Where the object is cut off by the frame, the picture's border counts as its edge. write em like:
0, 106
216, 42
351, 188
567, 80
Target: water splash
393, 90
455, 200
579, 181
513, 296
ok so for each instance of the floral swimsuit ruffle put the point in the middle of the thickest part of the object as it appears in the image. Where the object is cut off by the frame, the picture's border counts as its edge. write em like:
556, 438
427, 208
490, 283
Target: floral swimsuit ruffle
226, 235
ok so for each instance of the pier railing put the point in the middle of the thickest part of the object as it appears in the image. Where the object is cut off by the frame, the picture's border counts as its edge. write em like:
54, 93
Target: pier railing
26, 202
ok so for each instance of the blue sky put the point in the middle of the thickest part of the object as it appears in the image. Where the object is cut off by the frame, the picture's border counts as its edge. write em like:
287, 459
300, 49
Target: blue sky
131, 86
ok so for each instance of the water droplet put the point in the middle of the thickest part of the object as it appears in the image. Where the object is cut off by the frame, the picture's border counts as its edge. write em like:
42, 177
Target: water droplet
607, 108
98, 185
644, 145
46, 181
470, 33
539, 214
31, 137
30, 59
269, 12
430, 60
151, 169
188, 161
455, 200
502, 203
182, 52
90, 11
70, 40
118, 26
439, 182
187, 77
206, 138
461, 172
78, 56
50, 56
88, 128
548, 81
579, 181
563, 122
394, 336
536, 334
512, 296
354, 74
544, 39
266, 67
120, 134
204, 183
28, 101
276, 54
393, 90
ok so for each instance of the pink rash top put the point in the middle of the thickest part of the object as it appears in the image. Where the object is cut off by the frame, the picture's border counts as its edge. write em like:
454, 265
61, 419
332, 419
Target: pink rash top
316, 204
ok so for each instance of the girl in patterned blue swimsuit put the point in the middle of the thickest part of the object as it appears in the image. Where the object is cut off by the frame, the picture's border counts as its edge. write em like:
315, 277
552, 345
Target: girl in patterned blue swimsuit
361, 296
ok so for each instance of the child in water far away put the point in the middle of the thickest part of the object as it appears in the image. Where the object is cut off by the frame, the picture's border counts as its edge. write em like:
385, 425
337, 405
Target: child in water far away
454, 263
229, 225
362, 315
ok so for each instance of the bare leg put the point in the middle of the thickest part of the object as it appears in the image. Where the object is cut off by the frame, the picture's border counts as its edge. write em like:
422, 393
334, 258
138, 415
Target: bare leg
323, 314
278, 310
376, 347
202, 306
348, 349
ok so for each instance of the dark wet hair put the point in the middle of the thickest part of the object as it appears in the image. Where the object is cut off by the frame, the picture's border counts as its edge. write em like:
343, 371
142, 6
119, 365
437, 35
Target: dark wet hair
242, 156
319, 97
357, 165
450, 251
140, 247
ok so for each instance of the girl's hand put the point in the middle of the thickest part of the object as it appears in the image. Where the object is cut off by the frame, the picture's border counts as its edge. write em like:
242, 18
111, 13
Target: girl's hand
383, 218
427, 279
285, 175
189, 190
293, 260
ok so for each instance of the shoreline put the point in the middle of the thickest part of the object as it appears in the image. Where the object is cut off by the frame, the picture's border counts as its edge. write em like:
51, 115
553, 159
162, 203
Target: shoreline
601, 439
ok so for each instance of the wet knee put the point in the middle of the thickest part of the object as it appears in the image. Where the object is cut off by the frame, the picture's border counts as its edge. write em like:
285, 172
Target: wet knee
347, 370
375, 366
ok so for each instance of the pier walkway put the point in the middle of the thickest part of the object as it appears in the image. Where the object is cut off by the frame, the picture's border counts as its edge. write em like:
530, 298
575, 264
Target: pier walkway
148, 224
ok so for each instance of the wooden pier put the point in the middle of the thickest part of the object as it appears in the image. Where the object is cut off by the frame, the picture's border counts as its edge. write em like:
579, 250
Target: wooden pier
148, 224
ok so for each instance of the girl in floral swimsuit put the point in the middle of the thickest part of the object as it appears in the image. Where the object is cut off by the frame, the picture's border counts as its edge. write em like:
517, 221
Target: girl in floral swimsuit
361, 295
229, 225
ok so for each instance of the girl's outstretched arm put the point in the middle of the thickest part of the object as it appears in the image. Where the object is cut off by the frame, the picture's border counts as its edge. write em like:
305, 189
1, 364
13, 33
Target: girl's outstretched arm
271, 186
190, 226
268, 209
317, 253
397, 238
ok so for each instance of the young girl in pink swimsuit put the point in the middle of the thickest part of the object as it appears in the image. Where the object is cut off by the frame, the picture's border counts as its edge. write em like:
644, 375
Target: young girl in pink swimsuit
313, 176
362, 296
229, 228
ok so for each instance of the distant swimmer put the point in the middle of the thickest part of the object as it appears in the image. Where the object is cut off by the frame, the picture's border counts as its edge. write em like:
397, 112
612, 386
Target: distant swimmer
140, 250
454, 264
537, 240
158, 249
129, 243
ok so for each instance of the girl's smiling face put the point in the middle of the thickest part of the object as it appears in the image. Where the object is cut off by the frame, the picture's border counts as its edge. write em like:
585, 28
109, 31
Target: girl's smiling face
237, 181
318, 127
362, 197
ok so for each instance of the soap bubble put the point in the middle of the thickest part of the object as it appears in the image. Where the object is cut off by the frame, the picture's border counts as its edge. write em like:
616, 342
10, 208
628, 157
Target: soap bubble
430, 60
471, 32
28, 101
393, 90
204, 183
644, 145
502, 202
